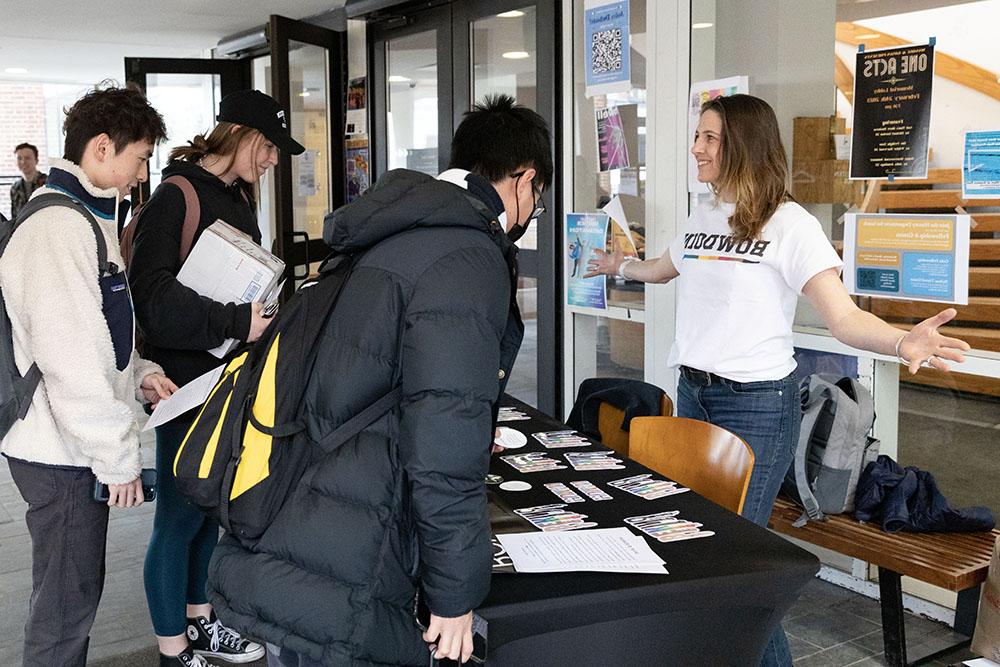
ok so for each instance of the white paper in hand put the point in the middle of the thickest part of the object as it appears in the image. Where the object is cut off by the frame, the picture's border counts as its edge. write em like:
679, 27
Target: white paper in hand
187, 397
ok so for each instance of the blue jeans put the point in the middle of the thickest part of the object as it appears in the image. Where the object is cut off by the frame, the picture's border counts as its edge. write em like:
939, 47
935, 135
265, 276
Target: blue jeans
767, 415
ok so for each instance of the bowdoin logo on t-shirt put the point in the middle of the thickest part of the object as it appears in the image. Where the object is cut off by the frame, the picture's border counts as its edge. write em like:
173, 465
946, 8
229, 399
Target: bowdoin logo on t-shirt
724, 243
281, 117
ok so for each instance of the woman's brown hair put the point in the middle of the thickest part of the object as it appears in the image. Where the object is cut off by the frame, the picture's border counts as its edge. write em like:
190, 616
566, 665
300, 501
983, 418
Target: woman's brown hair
223, 141
753, 168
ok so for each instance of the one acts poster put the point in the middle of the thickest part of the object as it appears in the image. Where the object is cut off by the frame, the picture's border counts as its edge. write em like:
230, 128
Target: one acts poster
617, 137
584, 232
701, 92
907, 256
892, 112
606, 47
981, 165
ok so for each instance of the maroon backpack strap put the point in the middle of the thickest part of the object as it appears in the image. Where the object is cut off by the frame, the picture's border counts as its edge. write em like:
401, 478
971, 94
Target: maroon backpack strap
192, 213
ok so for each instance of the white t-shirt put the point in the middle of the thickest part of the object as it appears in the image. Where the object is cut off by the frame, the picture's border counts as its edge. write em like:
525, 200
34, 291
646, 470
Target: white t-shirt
736, 301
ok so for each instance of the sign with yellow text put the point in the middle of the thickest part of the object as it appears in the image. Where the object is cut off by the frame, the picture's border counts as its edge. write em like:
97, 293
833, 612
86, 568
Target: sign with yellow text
907, 256
892, 112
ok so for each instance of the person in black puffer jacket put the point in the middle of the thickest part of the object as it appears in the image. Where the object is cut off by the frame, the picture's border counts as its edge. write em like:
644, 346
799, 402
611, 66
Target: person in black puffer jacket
430, 306
179, 327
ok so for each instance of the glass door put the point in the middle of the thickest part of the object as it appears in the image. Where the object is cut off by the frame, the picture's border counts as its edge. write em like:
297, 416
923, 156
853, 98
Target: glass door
308, 78
186, 91
509, 47
411, 92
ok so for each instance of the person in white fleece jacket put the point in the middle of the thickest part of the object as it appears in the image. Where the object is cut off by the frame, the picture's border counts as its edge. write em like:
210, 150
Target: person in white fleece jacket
77, 326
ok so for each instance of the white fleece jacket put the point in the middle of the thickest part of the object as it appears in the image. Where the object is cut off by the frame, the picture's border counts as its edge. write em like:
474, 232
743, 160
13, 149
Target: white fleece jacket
83, 412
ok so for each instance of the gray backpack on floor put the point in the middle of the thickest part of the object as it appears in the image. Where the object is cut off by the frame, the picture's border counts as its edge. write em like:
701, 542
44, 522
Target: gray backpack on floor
833, 448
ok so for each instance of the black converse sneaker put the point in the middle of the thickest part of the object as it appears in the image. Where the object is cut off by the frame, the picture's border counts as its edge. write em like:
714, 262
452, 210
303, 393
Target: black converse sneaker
214, 640
184, 659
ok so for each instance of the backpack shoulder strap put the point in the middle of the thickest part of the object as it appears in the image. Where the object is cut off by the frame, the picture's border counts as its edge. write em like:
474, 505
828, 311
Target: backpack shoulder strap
35, 204
192, 213
360, 421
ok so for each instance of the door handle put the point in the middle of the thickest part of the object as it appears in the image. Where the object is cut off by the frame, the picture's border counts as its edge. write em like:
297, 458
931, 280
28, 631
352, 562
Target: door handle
305, 245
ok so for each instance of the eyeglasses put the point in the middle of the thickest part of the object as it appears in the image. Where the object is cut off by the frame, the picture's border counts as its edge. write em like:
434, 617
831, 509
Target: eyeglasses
537, 193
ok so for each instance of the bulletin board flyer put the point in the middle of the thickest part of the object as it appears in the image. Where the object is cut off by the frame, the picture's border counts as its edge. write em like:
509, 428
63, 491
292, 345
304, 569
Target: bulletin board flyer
907, 256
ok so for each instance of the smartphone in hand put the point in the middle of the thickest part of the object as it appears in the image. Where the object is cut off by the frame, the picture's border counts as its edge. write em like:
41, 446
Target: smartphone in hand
148, 477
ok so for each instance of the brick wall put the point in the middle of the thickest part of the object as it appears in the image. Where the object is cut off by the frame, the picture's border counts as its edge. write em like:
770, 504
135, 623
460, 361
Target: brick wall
22, 118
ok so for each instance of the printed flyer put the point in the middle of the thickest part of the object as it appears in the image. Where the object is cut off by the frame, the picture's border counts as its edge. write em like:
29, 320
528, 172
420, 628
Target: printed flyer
907, 256
612, 149
892, 112
606, 46
981, 166
584, 232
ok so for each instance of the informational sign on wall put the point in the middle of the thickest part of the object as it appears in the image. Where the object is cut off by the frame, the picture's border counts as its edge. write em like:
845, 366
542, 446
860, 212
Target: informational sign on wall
907, 256
701, 92
617, 137
892, 112
606, 47
981, 165
584, 232
357, 168
357, 100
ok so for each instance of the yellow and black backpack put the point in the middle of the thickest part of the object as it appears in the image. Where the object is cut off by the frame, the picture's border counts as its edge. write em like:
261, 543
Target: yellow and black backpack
249, 446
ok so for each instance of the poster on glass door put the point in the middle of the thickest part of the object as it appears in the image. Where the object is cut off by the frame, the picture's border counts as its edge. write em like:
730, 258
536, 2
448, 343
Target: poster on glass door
892, 112
606, 47
981, 166
584, 232
907, 256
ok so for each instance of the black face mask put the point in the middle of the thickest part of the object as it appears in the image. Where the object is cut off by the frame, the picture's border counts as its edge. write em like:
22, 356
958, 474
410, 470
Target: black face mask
517, 231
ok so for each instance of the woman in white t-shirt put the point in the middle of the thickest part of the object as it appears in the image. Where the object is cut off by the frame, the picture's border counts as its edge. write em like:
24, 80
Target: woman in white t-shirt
743, 260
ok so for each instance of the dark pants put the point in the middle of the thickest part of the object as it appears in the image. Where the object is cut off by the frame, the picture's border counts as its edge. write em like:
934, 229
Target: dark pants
68, 530
767, 415
181, 545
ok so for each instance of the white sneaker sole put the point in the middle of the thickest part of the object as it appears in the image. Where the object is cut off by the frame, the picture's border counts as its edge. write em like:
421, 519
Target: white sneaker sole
236, 658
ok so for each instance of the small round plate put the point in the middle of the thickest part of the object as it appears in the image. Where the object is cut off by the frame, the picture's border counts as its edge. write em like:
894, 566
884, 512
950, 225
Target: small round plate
510, 438
515, 486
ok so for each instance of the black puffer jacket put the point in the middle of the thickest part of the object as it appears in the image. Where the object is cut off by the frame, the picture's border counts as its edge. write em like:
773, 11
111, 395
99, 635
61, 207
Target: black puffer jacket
429, 306
178, 325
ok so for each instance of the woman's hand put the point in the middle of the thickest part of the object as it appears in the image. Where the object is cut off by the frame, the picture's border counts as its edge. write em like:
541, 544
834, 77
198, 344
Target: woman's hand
258, 323
605, 263
156, 387
924, 345
453, 637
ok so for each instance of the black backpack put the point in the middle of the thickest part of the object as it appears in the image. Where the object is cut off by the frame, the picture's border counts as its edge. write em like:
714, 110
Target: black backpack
16, 390
249, 446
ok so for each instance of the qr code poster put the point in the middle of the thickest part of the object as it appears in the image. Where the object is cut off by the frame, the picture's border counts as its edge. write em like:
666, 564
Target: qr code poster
606, 46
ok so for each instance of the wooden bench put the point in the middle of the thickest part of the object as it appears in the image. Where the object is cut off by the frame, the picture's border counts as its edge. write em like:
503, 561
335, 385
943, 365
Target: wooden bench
954, 561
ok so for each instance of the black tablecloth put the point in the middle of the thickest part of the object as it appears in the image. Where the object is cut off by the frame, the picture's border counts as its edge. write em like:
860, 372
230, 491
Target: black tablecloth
719, 604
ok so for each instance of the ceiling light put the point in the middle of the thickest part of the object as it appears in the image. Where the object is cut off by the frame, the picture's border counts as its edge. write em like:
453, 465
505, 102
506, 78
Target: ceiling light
516, 55
699, 26
515, 14
15, 70
396, 78
304, 93
869, 35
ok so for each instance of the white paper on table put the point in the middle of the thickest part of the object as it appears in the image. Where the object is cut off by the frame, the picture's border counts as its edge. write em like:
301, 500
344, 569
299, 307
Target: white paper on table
189, 396
981, 662
600, 550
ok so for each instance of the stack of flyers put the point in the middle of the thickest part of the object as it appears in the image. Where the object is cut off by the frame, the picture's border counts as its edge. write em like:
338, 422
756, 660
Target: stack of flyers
564, 493
646, 487
531, 462
510, 415
560, 439
551, 518
667, 527
590, 490
594, 461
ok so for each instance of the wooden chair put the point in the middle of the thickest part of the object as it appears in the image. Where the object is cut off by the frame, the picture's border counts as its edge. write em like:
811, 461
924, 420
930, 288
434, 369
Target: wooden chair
706, 458
609, 423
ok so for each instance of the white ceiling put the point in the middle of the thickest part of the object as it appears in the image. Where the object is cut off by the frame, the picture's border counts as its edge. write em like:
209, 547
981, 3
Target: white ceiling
85, 41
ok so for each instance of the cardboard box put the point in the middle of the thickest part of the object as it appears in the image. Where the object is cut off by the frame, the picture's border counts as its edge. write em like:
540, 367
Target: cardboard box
225, 265
824, 182
812, 136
